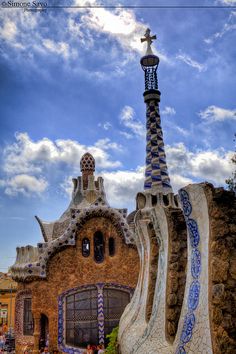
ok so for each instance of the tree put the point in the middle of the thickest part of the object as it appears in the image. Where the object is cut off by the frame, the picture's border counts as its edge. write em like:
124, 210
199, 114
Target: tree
231, 182
112, 347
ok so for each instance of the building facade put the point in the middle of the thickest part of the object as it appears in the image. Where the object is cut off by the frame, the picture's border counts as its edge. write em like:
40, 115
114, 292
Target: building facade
8, 289
73, 288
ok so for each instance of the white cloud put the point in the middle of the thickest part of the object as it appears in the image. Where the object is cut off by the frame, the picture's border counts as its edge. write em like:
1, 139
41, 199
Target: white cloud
178, 181
105, 126
67, 186
189, 61
168, 111
171, 123
214, 166
81, 32
126, 135
106, 144
127, 114
217, 114
16, 22
120, 24
25, 32
28, 156
182, 131
227, 2
229, 26
8, 31
60, 48
127, 118
25, 161
24, 184
122, 186
75, 29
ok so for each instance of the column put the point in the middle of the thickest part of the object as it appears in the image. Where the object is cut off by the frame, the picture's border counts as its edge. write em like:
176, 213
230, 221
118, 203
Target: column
100, 314
36, 332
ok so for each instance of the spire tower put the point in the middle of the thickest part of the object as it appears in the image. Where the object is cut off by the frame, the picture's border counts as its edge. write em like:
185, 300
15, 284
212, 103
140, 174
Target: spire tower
156, 173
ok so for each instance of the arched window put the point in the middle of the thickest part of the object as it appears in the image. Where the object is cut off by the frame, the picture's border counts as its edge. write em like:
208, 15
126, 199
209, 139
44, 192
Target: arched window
98, 247
28, 324
111, 246
82, 318
85, 247
81, 309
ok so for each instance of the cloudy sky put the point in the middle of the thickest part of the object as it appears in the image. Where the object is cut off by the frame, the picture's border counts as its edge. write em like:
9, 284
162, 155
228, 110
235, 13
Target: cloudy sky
71, 82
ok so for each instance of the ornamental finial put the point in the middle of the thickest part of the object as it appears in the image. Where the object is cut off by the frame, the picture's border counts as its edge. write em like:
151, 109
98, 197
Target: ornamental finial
149, 39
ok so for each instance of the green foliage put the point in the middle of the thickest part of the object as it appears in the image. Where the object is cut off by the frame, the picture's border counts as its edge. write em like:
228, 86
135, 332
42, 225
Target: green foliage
231, 182
113, 344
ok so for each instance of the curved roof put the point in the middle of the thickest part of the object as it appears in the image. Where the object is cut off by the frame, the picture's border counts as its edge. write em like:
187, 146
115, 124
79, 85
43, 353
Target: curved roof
24, 269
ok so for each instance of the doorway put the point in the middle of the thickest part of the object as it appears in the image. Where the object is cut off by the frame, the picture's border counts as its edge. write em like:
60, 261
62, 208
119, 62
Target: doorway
44, 331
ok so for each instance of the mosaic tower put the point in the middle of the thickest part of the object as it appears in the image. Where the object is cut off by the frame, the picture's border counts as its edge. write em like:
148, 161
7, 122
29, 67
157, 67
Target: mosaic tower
156, 173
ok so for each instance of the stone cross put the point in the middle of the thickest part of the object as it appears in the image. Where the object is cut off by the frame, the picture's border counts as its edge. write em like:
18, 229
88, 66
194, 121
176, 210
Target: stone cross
149, 39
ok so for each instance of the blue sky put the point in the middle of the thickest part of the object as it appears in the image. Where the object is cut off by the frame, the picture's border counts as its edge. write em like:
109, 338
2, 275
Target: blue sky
71, 82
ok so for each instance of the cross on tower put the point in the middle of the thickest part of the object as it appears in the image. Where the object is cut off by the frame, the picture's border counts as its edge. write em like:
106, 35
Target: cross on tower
149, 39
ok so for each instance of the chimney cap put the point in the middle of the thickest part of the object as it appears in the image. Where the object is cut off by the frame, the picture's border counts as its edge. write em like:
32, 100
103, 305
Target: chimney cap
87, 162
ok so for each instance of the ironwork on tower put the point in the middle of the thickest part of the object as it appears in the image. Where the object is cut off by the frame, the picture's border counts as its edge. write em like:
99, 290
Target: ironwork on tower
156, 173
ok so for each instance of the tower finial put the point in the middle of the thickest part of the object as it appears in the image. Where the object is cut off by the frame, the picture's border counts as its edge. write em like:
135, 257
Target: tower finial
87, 166
156, 173
149, 39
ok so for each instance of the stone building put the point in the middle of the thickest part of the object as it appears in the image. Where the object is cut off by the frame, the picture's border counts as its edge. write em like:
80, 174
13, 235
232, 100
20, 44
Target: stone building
8, 288
185, 299
74, 286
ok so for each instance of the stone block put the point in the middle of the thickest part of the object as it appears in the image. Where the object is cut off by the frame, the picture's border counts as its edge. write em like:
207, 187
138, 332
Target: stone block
219, 270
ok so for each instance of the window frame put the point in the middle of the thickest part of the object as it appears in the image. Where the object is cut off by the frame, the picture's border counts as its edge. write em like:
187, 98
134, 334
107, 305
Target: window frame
113, 246
28, 321
62, 316
97, 234
84, 254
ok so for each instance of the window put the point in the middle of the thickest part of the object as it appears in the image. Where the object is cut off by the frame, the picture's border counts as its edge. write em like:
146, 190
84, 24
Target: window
3, 313
28, 325
111, 246
98, 247
85, 247
81, 318
115, 301
82, 324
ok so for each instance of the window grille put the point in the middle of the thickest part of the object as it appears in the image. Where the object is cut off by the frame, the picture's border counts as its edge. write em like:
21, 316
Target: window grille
98, 247
81, 314
81, 318
114, 302
28, 325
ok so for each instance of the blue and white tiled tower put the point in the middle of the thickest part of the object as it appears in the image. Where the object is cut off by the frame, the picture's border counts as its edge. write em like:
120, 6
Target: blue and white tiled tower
156, 173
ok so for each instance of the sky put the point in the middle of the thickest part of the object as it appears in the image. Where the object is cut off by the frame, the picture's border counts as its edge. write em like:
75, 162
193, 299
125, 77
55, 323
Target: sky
71, 82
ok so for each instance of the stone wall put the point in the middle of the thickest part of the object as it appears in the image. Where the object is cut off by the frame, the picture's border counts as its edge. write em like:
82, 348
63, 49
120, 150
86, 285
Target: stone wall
222, 263
177, 261
153, 269
22, 341
68, 269
194, 306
